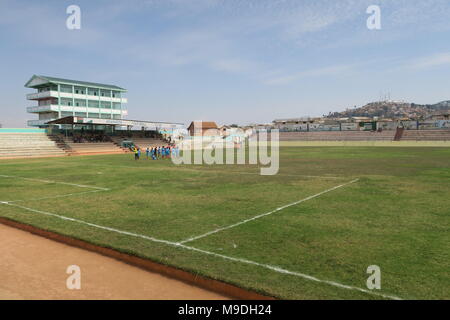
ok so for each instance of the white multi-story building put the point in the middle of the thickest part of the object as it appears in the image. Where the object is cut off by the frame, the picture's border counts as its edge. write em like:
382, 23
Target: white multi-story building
58, 98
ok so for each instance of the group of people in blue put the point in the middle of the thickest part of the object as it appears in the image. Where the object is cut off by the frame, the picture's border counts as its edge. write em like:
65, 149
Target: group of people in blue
155, 153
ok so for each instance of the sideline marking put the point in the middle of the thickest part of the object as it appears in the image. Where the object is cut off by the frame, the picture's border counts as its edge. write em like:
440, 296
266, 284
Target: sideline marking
217, 171
57, 182
267, 213
175, 244
56, 196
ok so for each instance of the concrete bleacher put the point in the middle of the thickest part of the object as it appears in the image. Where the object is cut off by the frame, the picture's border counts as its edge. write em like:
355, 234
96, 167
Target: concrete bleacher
426, 135
144, 143
24, 145
205, 142
88, 148
337, 136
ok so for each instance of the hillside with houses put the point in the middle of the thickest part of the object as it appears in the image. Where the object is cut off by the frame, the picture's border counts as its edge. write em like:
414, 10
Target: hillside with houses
392, 109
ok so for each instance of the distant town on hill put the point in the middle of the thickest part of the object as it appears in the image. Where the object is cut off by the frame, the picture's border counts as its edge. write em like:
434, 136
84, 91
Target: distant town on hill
392, 109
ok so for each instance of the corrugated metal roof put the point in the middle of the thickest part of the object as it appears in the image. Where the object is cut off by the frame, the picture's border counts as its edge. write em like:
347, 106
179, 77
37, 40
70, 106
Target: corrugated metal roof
82, 120
204, 124
79, 83
294, 119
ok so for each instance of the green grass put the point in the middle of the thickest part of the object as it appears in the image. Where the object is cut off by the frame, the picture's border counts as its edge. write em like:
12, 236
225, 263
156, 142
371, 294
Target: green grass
396, 216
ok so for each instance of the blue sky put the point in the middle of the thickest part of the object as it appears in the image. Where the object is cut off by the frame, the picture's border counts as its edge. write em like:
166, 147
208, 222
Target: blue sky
231, 61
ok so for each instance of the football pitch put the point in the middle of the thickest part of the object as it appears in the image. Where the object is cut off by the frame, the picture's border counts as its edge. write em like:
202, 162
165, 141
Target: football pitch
309, 232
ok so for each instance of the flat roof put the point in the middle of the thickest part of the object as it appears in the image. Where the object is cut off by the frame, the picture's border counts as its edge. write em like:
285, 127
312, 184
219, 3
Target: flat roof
203, 124
71, 82
117, 122
294, 119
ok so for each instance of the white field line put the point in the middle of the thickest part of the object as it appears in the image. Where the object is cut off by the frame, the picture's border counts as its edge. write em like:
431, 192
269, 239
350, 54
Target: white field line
175, 244
54, 197
212, 171
278, 174
57, 182
217, 171
88, 223
267, 213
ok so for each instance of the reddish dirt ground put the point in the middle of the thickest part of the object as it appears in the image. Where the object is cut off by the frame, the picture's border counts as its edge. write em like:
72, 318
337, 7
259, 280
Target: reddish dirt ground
33, 267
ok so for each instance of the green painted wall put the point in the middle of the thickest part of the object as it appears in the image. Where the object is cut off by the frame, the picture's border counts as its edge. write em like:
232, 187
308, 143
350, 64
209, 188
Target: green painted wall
22, 130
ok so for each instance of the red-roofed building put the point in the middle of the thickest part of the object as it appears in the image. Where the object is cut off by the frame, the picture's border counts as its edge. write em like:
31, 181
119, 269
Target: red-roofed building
203, 128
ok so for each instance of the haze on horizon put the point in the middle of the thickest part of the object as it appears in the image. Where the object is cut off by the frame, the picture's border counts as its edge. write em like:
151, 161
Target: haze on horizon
229, 61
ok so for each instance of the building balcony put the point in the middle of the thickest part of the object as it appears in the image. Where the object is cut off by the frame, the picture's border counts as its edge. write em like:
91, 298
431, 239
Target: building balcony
38, 123
56, 108
42, 95
38, 109
55, 94
92, 97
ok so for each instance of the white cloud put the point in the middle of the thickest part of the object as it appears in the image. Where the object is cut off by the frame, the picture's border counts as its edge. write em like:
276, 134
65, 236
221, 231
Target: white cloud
318, 72
45, 25
234, 65
247, 37
431, 61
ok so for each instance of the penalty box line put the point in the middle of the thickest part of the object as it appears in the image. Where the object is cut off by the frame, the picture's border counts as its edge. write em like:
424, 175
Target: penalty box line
57, 182
97, 189
190, 248
55, 197
217, 171
267, 213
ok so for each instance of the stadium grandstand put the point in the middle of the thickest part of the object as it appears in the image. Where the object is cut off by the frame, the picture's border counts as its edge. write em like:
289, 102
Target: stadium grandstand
84, 118
362, 129
18, 143
80, 117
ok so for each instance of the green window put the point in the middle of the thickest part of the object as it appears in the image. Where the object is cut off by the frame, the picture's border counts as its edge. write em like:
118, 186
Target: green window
66, 114
93, 104
93, 91
105, 93
66, 102
80, 103
80, 90
66, 88
105, 104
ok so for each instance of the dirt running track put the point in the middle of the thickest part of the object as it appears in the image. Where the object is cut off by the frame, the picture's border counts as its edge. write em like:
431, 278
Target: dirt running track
32, 267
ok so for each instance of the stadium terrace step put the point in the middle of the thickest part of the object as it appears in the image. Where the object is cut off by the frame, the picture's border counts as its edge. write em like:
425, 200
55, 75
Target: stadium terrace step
24, 145
337, 136
426, 135
86, 148
408, 135
142, 143
41, 150
31, 154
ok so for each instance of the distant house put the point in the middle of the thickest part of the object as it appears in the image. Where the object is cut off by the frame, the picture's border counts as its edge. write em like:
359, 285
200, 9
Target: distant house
224, 130
440, 115
302, 120
360, 119
203, 128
